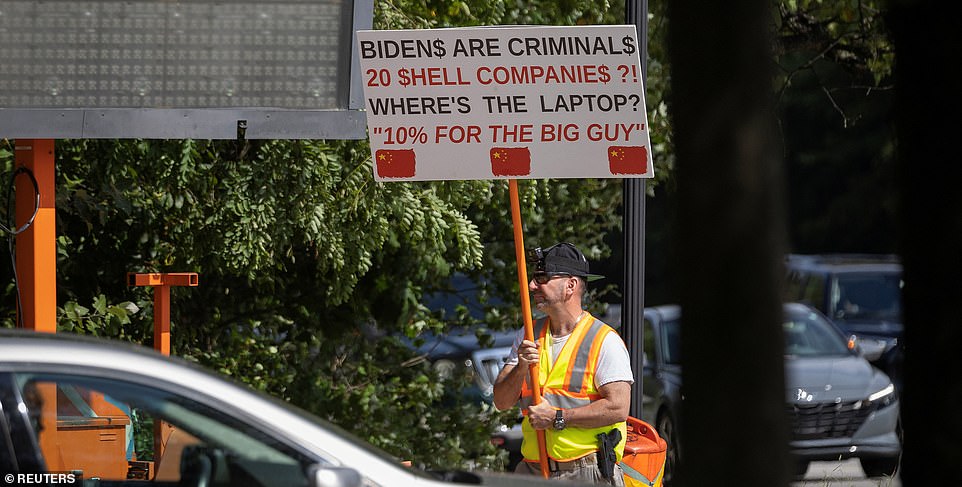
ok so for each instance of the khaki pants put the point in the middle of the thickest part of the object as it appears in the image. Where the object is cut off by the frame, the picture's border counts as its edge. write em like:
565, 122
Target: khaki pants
584, 469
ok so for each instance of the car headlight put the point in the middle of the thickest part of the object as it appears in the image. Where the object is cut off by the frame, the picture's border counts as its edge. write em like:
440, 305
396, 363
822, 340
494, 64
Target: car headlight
883, 397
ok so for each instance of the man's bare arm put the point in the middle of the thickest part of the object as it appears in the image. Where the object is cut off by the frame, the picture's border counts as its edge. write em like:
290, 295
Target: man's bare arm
611, 408
507, 387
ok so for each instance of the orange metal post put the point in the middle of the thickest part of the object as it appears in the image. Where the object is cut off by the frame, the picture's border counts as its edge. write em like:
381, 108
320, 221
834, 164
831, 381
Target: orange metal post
37, 246
161, 282
162, 319
36, 267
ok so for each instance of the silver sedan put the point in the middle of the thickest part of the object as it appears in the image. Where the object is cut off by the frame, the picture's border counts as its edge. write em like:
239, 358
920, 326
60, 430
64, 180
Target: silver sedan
119, 414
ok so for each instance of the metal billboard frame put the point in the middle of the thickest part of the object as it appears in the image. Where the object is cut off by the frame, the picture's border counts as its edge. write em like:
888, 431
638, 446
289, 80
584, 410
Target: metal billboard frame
347, 121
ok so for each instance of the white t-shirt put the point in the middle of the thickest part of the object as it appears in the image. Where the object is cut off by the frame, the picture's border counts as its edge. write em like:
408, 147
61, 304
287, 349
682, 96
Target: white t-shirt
614, 363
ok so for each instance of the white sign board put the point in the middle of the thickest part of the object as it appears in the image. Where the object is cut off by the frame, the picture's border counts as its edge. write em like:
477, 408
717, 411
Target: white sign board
505, 102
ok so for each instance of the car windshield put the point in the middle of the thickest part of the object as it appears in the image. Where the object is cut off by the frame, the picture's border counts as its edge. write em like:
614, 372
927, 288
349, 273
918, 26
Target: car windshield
671, 341
867, 297
809, 335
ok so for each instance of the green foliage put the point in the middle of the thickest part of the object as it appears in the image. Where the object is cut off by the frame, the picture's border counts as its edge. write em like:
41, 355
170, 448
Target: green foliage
99, 319
814, 37
424, 14
143, 435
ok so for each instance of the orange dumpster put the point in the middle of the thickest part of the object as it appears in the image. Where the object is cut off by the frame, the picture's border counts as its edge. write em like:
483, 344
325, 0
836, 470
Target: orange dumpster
645, 452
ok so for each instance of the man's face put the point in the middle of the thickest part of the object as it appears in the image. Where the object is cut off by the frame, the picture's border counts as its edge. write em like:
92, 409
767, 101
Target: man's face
548, 289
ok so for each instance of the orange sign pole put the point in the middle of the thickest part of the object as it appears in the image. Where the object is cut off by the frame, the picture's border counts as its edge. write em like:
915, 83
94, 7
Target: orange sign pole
526, 313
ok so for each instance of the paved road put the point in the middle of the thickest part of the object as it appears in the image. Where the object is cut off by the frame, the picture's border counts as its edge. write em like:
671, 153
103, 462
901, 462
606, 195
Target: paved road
842, 474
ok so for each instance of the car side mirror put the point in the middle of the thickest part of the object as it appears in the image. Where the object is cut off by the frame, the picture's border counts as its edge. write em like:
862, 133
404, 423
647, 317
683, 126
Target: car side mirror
322, 476
871, 350
202, 466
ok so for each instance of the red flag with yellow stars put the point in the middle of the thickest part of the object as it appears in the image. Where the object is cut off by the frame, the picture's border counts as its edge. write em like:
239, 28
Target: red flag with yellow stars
510, 161
628, 159
395, 163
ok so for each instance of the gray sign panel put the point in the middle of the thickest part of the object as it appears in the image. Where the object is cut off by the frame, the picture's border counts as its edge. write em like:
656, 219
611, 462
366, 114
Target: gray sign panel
181, 69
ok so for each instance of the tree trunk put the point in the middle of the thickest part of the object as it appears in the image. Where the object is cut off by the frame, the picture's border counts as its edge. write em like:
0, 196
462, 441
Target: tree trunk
928, 48
731, 241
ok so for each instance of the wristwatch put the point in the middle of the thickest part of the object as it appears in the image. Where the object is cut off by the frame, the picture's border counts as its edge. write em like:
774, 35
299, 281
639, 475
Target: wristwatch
559, 420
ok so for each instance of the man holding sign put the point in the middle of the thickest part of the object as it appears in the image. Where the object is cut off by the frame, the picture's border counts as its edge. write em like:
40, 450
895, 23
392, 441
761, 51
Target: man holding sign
526, 102
585, 377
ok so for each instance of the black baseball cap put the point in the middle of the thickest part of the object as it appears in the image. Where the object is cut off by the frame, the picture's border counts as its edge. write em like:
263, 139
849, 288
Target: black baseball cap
562, 258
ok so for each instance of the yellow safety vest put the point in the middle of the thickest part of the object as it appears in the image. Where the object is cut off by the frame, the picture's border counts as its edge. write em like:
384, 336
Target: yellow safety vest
568, 383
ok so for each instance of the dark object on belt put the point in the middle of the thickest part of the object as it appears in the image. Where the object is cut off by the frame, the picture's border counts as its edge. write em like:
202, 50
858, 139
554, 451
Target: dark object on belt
606, 452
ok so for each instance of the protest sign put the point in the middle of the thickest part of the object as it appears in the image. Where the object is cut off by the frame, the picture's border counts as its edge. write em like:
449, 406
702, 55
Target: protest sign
505, 102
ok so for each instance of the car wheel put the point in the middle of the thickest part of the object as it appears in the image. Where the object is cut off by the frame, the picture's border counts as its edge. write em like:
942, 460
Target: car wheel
666, 428
880, 467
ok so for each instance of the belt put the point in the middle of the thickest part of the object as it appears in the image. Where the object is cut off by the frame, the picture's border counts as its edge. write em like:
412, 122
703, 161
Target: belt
588, 460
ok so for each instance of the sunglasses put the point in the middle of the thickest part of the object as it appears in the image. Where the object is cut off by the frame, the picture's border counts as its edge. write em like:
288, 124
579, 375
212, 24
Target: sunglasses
543, 277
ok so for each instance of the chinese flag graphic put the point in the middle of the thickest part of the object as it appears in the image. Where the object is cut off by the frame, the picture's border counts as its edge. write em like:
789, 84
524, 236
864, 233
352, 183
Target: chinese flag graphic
394, 163
628, 159
510, 161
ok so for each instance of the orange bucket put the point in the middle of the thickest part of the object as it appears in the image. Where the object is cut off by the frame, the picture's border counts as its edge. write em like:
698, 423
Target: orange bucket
645, 452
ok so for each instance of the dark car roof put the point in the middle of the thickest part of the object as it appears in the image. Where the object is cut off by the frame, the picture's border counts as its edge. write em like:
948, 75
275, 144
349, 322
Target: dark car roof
839, 263
460, 342
664, 312
673, 311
